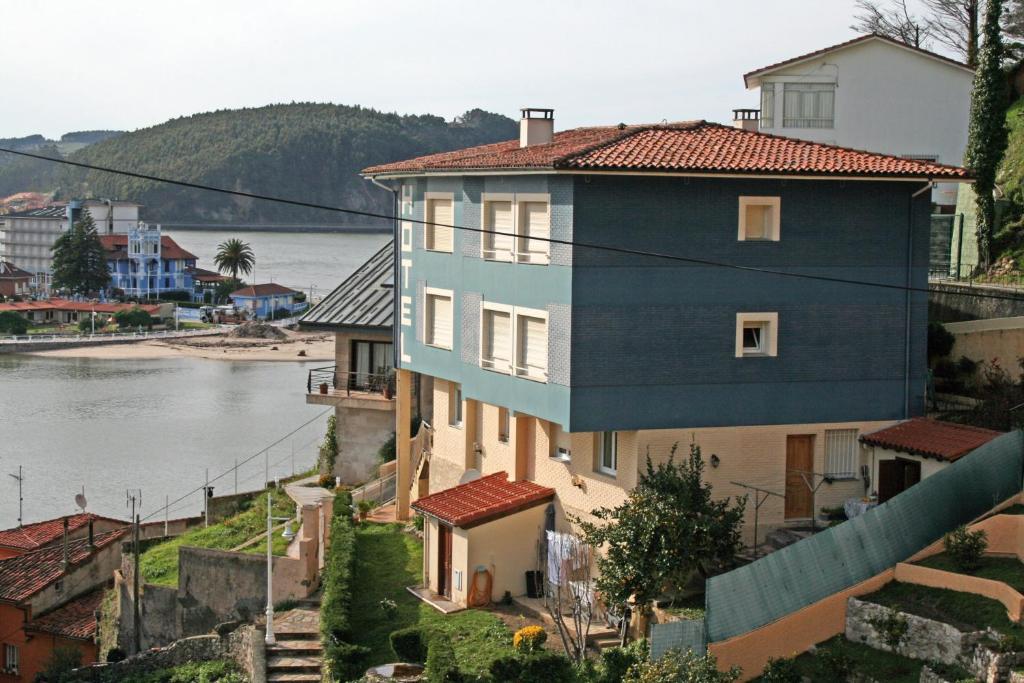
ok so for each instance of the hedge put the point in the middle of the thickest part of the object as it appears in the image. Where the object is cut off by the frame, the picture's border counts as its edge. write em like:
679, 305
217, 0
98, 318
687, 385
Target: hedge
409, 644
441, 664
345, 660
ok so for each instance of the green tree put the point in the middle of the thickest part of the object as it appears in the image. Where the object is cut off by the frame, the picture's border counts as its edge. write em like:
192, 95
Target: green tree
329, 447
79, 262
668, 528
234, 256
12, 323
681, 667
133, 317
987, 132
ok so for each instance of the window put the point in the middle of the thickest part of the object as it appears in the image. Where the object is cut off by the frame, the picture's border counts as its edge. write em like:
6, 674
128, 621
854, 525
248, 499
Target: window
504, 424
534, 222
759, 219
561, 444
531, 344
608, 453
767, 105
11, 659
841, 453
496, 338
757, 334
369, 363
809, 105
455, 405
440, 213
437, 316
498, 217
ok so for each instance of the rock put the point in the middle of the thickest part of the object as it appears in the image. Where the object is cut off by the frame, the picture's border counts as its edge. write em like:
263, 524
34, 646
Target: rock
302, 352
273, 348
257, 329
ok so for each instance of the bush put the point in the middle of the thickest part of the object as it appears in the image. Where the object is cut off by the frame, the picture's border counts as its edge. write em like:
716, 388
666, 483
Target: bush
326, 481
441, 664
529, 639
616, 661
506, 670
133, 317
940, 341
781, 670
12, 323
409, 644
116, 654
343, 504
966, 547
833, 664
345, 660
547, 667
676, 666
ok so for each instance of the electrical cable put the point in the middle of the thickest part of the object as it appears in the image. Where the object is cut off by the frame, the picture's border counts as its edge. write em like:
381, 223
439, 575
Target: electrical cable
550, 240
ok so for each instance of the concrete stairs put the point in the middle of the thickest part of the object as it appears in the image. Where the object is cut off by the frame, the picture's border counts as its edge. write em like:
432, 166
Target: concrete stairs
776, 540
298, 654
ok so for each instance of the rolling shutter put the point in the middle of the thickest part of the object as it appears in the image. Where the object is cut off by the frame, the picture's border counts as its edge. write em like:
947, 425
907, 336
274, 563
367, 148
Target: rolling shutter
533, 347
439, 310
440, 211
499, 219
497, 340
534, 222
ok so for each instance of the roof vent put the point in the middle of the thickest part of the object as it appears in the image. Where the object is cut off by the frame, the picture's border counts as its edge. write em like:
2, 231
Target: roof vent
537, 126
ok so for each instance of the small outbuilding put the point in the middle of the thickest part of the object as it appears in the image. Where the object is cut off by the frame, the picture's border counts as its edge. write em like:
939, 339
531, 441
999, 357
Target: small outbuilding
269, 300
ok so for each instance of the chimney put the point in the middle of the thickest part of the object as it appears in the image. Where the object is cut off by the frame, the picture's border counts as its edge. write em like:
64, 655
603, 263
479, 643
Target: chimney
746, 119
537, 126
92, 541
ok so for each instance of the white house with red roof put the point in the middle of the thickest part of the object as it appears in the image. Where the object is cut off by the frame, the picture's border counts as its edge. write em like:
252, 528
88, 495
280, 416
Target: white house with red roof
871, 93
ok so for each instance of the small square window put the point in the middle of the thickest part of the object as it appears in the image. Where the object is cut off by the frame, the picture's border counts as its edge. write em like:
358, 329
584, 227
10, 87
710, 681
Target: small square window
757, 334
753, 337
455, 405
759, 219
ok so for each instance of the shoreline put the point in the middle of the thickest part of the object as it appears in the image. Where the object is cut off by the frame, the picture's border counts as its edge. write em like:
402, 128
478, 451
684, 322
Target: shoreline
318, 347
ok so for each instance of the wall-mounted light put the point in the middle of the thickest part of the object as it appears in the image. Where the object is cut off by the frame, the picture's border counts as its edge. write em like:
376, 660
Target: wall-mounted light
715, 460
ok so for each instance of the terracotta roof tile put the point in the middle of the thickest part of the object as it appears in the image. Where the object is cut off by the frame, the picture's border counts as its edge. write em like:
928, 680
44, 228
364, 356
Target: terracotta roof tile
38, 534
931, 438
117, 248
483, 500
267, 289
697, 147
75, 619
25, 575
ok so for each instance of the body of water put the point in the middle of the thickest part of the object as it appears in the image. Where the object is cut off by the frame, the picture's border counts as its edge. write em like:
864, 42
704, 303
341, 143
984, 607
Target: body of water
297, 260
154, 425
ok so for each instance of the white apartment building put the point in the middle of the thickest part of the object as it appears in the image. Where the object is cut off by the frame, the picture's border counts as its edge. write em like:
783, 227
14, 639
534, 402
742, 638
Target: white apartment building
870, 93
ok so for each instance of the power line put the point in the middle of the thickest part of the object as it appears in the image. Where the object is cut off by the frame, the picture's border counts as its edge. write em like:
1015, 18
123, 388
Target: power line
550, 240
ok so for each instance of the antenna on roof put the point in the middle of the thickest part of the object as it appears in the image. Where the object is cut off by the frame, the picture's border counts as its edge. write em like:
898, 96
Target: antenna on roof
20, 479
80, 500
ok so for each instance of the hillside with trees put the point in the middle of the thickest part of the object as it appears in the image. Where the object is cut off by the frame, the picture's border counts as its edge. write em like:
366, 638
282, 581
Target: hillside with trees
310, 152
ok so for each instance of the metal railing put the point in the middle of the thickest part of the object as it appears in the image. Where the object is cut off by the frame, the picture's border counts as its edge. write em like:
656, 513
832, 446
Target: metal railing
328, 380
380, 491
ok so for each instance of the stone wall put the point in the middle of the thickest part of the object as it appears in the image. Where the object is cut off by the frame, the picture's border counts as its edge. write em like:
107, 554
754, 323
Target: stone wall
925, 639
950, 303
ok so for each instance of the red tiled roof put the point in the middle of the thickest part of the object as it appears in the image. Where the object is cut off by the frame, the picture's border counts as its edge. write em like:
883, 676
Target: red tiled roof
849, 43
483, 500
932, 438
38, 534
203, 275
75, 619
116, 247
80, 306
25, 575
697, 147
267, 289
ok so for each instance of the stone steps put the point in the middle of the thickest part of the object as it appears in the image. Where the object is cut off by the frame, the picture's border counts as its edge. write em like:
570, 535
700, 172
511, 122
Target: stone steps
298, 647
284, 677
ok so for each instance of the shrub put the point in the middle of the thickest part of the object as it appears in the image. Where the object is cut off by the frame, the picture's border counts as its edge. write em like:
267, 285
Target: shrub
547, 667
616, 661
833, 664
506, 670
345, 661
781, 670
676, 666
116, 654
891, 628
529, 639
417, 522
441, 664
409, 644
343, 504
12, 323
326, 481
966, 547
364, 506
133, 317
940, 341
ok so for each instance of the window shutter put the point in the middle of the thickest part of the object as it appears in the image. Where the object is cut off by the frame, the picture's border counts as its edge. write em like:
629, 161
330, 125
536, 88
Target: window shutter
498, 339
533, 333
534, 222
499, 219
441, 321
441, 212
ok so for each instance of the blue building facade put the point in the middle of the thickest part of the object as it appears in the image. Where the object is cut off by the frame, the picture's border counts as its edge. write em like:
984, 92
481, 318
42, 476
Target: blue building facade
267, 301
143, 262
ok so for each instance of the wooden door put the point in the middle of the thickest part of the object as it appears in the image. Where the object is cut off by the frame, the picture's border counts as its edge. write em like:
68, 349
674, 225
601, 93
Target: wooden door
799, 465
444, 560
896, 476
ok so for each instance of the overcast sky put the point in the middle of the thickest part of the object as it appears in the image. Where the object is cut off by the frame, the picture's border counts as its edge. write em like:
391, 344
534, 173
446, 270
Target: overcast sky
125, 64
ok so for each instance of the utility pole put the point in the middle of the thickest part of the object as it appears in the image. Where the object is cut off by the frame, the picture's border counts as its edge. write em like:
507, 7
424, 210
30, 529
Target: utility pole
206, 499
20, 478
236, 476
134, 500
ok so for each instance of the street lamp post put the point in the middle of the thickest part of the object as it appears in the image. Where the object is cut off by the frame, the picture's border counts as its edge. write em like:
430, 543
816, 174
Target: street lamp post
289, 534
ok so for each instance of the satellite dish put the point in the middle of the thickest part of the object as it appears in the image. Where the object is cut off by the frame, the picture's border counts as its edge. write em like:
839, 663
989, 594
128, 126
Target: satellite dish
469, 475
80, 501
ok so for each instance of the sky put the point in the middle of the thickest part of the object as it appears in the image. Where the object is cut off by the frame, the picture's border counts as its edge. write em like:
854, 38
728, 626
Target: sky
125, 64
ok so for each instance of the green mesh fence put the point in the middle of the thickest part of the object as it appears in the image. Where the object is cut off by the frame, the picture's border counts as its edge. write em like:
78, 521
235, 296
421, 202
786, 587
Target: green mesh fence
678, 635
801, 574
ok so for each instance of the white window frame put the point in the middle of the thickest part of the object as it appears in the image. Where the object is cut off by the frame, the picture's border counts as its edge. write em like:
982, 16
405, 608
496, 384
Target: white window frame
455, 405
518, 313
429, 197
804, 89
12, 659
838, 470
535, 258
428, 312
767, 115
488, 253
488, 363
504, 424
601, 466
774, 230
769, 336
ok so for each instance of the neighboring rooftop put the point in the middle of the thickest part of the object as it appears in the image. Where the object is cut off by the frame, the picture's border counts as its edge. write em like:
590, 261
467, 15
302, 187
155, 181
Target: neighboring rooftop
267, 289
483, 500
38, 534
49, 212
25, 575
842, 46
692, 147
116, 247
364, 300
931, 438
79, 306
203, 275
9, 271
75, 619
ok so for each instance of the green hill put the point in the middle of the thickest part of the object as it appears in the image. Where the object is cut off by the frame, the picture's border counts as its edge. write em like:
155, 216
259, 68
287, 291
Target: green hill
309, 152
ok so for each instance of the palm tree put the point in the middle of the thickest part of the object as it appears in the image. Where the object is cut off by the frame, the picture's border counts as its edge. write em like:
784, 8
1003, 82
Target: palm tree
234, 256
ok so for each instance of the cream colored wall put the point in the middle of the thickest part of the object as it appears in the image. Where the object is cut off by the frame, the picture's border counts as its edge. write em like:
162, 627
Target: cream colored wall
430, 551
460, 563
448, 454
929, 466
506, 547
983, 340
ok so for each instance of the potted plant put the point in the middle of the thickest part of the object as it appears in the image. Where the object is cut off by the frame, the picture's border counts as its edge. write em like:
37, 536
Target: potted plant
323, 387
364, 506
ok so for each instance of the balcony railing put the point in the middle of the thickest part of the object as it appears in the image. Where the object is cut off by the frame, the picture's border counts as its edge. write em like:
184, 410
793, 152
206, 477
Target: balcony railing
329, 380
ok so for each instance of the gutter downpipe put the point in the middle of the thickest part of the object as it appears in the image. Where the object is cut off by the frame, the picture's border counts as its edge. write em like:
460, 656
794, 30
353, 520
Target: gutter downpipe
908, 284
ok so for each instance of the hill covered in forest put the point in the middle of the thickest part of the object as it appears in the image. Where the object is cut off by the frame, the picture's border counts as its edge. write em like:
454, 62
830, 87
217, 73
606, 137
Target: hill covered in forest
309, 152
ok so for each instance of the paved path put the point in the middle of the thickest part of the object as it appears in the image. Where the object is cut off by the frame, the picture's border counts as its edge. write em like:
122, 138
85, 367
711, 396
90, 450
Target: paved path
298, 654
306, 495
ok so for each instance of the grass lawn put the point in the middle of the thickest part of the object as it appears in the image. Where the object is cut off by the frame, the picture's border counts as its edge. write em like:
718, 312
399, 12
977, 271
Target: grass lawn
1009, 570
965, 611
159, 563
388, 560
866, 661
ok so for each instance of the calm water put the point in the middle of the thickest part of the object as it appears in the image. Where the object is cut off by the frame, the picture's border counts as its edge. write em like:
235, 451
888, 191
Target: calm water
158, 424
296, 260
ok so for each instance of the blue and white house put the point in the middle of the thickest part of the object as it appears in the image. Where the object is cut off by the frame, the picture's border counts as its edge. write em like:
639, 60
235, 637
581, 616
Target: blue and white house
269, 300
564, 366
143, 262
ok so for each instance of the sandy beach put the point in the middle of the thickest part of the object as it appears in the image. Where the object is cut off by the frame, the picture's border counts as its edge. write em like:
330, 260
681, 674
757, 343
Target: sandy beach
317, 347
